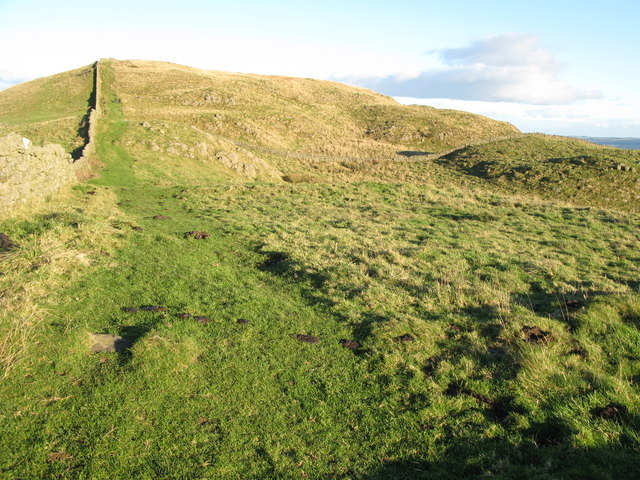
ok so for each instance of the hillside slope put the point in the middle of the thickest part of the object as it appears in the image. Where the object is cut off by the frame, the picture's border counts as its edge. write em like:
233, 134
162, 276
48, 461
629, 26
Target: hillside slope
51, 109
266, 127
555, 167
351, 330
293, 114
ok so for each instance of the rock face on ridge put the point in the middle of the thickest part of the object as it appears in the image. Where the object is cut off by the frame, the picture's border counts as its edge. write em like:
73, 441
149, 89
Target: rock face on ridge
29, 173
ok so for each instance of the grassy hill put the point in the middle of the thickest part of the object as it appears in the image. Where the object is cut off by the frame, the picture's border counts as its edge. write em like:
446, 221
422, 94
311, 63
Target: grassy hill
556, 167
51, 109
396, 320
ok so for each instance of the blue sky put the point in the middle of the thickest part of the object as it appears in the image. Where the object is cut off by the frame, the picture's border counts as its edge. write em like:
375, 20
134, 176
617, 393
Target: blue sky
565, 67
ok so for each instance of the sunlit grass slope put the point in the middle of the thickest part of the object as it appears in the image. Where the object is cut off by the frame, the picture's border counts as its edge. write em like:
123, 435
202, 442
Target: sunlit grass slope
50, 109
556, 167
491, 334
293, 114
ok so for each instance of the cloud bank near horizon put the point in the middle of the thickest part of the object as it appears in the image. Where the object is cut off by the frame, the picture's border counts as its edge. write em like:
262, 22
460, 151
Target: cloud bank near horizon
8, 80
503, 68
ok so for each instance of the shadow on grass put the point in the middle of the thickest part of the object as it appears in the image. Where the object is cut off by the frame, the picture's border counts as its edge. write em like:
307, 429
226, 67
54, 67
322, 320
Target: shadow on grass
83, 130
546, 453
135, 333
281, 265
561, 306
414, 153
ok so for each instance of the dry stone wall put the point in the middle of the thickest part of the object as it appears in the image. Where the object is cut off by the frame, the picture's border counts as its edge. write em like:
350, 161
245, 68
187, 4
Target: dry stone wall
29, 174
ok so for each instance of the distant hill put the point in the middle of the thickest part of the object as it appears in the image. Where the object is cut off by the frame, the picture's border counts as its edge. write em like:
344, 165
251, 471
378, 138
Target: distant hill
191, 126
192, 114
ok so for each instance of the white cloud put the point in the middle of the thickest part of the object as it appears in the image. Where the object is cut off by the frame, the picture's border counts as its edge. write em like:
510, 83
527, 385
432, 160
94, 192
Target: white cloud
594, 117
7, 80
505, 68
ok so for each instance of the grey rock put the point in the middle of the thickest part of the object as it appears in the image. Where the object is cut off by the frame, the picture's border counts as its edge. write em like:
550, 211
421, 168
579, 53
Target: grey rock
108, 343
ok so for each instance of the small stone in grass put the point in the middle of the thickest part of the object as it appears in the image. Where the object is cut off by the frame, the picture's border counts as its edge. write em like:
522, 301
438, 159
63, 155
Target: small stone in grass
184, 315
161, 217
108, 343
203, 320
197, 235
130, 309
307, 338
138, 229
242, 321
153, 308
350, 344
406, 338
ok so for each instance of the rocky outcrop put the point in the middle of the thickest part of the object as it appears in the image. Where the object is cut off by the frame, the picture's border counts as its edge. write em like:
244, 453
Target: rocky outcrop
247, 164
29, 173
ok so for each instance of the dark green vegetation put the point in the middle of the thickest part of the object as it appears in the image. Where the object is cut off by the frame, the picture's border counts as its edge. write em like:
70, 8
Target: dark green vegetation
497, 335
556, 167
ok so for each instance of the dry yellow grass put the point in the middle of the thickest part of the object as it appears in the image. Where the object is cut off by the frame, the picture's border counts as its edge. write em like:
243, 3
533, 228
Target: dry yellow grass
291, 115
65, 244
50, 109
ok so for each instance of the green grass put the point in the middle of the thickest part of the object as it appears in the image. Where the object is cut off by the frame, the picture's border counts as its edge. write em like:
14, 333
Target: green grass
459, 268
556, 167
51, 109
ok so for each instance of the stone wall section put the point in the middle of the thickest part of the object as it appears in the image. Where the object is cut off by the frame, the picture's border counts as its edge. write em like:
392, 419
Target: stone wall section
30, 174
82, 164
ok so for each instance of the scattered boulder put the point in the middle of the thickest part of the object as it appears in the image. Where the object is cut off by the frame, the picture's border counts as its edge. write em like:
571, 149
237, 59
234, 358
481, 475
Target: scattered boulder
196, 235
307, 338
5, 242
108, 343
350, 344
536, 335
613, 411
